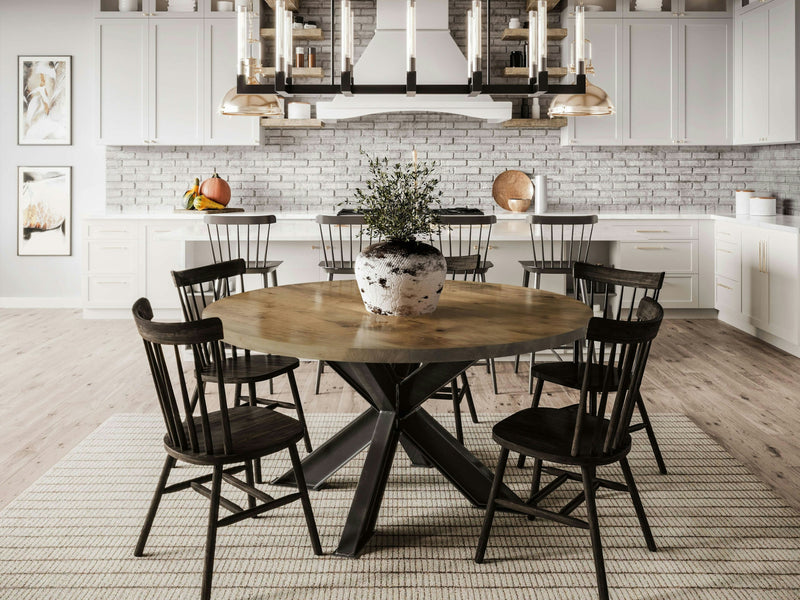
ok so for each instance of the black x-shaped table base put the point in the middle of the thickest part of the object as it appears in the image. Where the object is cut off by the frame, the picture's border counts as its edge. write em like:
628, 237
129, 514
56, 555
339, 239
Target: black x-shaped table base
395, 393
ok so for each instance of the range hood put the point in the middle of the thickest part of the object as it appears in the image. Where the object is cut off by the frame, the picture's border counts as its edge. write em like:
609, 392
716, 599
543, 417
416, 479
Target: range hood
439, 61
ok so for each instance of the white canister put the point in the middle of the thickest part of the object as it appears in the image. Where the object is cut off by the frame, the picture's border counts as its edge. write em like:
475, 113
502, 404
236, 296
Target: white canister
743, 201
299, 110
514, 24
128, 5
540, 194
762, 206
225, 5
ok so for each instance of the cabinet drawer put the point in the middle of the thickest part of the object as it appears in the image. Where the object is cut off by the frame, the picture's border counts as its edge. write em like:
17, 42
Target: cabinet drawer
111, 256
727, 295
112, 291
679, 291
671, 257
653, 230
728, 260
111, 231
727, 232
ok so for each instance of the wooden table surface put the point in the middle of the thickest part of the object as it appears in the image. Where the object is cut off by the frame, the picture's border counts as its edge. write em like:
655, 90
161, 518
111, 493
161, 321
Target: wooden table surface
327, 321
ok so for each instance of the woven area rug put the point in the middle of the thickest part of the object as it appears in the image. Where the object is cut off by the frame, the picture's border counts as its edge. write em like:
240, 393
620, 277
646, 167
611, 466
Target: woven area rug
721, 533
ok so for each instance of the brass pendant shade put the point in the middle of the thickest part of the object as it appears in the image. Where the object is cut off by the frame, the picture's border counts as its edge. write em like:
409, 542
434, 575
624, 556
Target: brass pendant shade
594, 103
250, 105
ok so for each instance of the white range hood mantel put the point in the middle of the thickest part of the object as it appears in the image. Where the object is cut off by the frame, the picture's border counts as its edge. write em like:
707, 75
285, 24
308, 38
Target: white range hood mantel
439, 61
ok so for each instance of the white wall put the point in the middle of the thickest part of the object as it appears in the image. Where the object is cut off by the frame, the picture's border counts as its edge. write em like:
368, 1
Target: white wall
55, 27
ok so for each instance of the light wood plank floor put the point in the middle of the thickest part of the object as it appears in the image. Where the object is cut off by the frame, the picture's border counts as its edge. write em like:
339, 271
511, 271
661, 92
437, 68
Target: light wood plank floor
62, 376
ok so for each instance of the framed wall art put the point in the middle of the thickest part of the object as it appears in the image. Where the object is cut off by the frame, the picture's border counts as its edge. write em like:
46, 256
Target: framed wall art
44, 115
44, 211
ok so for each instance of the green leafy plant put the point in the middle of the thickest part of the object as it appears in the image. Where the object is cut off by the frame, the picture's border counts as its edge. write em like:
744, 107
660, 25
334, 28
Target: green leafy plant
400, 200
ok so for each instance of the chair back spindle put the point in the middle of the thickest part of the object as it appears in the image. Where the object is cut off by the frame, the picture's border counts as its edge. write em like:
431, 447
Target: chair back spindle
240, 236
187, 430
342, 237
617, 291
464, 242
559, 241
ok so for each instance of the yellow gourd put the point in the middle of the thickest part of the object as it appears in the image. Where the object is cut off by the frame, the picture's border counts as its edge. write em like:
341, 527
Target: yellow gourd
203, 203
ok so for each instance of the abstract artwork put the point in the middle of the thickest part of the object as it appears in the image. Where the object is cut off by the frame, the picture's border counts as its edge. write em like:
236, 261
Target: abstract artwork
44, 208
45, 100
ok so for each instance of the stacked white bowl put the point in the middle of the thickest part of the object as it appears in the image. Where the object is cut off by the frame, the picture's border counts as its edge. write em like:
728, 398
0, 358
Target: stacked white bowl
181, 5
648, 5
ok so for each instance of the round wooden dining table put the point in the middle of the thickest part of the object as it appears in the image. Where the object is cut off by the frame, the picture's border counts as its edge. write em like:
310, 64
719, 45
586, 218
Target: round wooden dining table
396, 364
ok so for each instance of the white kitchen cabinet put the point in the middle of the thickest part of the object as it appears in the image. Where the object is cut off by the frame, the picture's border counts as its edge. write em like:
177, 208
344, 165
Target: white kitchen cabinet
160, 81
220, 62
606, 37
704, 81
176, 81
755, 278
163, 254
122, 60
650, 81
765, 59
783, 271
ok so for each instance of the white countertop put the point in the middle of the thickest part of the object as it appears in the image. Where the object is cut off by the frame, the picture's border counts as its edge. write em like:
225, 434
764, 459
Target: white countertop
299, 226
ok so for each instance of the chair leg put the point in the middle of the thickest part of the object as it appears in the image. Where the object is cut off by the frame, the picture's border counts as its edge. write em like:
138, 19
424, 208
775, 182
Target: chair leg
151, 512
651, 435
530, 372
250, 480
468, 393
274, 277
457, 411
299, 408
237, 394
594, 530
211, 536
319, 377
490, 505
271, 387
536, 481
493, 371
537, 394
637, 504
516, 364
299, 477
251, 390
265, 280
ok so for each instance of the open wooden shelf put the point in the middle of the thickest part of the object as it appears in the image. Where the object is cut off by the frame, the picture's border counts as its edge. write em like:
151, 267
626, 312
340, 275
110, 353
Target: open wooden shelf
556, 123
315, 34
267, 123
552, 72
299, 72
521, 34
532, 4
295, 4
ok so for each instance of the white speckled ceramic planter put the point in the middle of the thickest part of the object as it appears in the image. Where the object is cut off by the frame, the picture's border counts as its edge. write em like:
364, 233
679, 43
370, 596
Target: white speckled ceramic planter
401, 279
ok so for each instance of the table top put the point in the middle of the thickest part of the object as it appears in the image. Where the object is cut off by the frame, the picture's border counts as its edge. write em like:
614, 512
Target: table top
328, 321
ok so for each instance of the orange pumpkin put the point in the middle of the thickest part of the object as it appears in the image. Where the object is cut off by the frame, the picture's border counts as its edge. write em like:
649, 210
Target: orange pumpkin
217, 189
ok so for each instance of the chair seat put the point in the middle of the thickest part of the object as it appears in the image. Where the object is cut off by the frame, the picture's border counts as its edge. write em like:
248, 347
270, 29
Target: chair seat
256, 367
263, 266
346, 267
547, 433
570, 374
532, 266
459, 265
255, 431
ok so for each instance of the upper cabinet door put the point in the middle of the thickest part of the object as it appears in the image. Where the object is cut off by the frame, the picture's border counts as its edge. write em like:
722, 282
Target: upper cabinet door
752, 77
782, 111
176, 81
121, 55
220, 49
651, 81
706, 8
705, 82
607, 47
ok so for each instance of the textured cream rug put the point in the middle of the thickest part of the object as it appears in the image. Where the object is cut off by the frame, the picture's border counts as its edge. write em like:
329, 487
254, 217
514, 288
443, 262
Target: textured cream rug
721, 533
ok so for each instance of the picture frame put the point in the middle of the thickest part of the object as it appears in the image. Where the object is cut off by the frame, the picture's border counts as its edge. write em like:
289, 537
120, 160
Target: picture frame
44, 211
44, 100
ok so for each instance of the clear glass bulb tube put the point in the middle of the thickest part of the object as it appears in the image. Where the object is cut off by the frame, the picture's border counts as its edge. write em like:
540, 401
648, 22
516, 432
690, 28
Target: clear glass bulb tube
532, 49
470, 44
242, 33
478, 35
580, 39
344, 34
351, 47
280, 22
288, 37
542, 35
411, 36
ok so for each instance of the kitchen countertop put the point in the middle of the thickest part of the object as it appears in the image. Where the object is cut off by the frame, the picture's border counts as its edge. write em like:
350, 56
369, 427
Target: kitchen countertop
300, 226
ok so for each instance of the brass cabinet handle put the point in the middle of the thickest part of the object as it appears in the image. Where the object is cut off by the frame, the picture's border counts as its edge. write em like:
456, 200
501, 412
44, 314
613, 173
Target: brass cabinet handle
112, 283
722, 285
723, 250
652, 231
652, 248
724, 232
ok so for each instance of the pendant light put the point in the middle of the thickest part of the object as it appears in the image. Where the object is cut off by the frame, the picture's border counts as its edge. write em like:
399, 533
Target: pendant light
233, 103
595, 102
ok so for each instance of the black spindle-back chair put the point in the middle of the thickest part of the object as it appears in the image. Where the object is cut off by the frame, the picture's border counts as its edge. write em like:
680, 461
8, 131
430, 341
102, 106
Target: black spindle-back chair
464, 242
199, 287
617, 292
246, 237
343, 237
235, 436
585, 437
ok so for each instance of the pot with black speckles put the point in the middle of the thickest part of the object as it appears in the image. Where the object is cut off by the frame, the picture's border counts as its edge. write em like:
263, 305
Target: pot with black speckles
400, 278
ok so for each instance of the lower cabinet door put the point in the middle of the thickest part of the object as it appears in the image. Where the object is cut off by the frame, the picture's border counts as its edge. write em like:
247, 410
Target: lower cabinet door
164, 255
111, 291
727, 295
679, 291
781, 262
755, 279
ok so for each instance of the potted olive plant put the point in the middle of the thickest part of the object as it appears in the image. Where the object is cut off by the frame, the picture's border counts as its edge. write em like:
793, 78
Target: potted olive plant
401, 275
